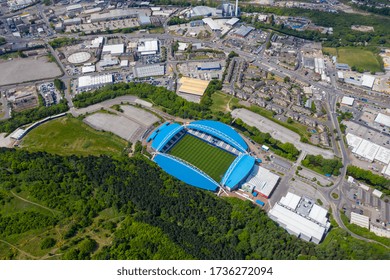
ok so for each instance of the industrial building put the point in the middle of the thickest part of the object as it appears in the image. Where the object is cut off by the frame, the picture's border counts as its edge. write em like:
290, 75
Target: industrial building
347, 101
74, 8
144, 20
193, 86
90, 82
367, 150
149, 71
243, 31
113, 15
301, 217
342, 66
228, 10
212, 24
232, 21
72, 21
368, 81
88, 69
209, 66
116, 49
383, 119
217, 134
360, 220
148, 47
202, 11
262, 181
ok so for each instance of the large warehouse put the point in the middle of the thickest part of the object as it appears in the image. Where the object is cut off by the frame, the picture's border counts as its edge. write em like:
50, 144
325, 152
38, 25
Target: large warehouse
301, 217
205, 154
193, 86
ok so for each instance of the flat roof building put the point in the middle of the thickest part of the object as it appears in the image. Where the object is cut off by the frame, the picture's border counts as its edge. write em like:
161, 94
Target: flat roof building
209, 66
90, 82
347, 100
213, 25
377, 193
243, 31
232, 21
148, 47
360, 220
150, 70
193, 86
367, 150
88, 69
116, 49
72, 21
262, 180
113, 15
301, 217
74, 8
383, 119
368, 81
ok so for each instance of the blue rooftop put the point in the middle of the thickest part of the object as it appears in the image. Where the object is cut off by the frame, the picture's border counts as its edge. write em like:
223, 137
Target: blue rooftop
221, 131
164, 134
185, 172
238, 171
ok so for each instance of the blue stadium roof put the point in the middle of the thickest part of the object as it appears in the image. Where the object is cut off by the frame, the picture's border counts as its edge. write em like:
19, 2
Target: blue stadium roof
222, 131
185, 172
165, 133
238, 171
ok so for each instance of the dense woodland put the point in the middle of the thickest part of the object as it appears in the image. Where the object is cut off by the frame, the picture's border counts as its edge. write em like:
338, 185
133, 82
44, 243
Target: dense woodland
322, 165
164, 218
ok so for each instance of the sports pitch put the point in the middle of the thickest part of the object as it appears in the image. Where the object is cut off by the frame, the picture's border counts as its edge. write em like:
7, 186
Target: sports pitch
211, 160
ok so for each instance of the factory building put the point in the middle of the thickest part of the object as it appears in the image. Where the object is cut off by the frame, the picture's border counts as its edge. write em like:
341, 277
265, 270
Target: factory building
209, 66
148, 47
301, 217
92, 82
113, 15
116, 49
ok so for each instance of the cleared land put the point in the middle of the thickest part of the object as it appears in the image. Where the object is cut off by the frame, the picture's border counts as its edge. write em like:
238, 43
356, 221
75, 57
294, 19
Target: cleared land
139, 115
360, 58
211, 160
27, 69
222, 102
119, 125
66, 136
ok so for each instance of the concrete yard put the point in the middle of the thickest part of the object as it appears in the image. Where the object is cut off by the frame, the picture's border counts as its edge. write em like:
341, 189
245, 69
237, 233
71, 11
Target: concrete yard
119, 125
139, 115
27, 69
278, 132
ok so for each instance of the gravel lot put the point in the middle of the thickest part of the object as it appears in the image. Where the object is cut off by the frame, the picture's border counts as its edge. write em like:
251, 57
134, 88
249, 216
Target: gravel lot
139, 115
118, 125
278, 132
27, 69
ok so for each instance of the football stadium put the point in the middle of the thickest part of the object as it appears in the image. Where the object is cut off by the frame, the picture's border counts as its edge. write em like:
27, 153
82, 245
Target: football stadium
205, 154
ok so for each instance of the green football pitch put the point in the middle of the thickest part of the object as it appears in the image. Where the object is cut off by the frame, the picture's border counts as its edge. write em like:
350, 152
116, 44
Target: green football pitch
211, 160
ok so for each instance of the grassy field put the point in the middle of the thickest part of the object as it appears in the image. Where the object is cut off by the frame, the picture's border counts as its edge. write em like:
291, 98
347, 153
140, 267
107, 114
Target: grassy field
360, 58
331, 51
66, 136
221, 101
211, 160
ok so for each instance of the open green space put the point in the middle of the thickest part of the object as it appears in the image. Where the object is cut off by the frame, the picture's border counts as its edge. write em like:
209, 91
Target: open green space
359, 58
222, 102
66, 136
211, 160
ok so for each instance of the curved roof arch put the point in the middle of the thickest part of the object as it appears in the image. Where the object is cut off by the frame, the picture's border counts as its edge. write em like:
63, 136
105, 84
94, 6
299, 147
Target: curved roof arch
222, 131
185, 172
238, 170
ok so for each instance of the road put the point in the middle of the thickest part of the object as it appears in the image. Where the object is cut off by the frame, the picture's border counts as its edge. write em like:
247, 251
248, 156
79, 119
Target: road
331, 94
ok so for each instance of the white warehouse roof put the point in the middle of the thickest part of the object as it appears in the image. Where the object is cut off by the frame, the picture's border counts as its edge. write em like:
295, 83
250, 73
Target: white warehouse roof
232, 21
114, 49
318, 213
93, 81
383, 119
360, 220
368, 81
353, 141
367, 150
290, 200
347, 101
383, 155
377, 193
88, 69
263, 180
214, 26
297, 224
148, 47
386, 170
